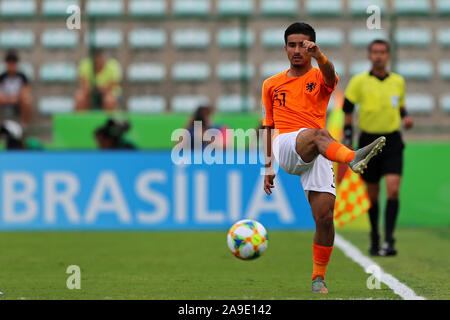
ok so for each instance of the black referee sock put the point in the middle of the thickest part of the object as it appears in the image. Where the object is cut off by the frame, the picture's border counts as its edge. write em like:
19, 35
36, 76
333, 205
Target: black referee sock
391, 218
373, 217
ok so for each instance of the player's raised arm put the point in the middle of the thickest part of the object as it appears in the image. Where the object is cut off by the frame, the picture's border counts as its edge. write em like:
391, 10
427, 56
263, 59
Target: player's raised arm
325, 65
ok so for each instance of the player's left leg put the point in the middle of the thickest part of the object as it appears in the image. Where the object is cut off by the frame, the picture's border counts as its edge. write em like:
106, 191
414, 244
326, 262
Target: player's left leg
322, 206
392, 206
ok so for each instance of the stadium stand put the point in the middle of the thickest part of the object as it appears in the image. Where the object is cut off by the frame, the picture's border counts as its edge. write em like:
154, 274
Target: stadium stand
197, 48
412, 7
445, 103
191, 72
19, 39
57, 8
15, 9
324, 7
146, 104
234, 38
420, 103
146, 72
191, 8
359, 7
234, 103
188, 103
283, 8
235, 7
191, 39
144, 8
59, 38
147, 38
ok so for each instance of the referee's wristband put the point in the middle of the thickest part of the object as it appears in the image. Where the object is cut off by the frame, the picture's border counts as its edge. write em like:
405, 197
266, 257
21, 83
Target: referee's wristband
348, 135
403, 113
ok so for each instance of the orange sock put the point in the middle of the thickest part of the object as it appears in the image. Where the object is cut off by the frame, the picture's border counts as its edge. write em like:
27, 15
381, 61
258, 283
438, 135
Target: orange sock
337, 152
321, 256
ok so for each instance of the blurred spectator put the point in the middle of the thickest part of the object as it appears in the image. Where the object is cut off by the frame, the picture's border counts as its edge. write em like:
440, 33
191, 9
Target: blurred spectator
15, 92
111, 135
99, 83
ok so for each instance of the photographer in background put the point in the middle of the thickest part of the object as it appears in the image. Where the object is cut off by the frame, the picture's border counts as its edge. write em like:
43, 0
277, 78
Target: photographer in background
111, 136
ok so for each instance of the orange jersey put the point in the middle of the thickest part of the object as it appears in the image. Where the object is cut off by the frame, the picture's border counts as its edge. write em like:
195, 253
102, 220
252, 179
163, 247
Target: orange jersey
292, 103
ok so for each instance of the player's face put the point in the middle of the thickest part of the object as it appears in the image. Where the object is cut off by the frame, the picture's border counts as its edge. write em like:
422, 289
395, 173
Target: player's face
379, 55
296, 53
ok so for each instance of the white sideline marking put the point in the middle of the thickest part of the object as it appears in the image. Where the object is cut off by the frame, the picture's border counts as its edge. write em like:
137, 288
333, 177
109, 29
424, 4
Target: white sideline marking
355, 254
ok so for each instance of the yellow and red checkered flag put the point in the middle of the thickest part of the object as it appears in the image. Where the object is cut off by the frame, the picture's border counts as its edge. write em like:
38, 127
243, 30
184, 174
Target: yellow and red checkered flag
351, 200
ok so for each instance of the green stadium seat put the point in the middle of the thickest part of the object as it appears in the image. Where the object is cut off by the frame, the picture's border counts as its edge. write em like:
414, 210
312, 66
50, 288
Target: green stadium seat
234, 38
444, 69
328, 37
191, 71
443, 7
272, 38
14, 8
235, 7
235, 103
359, 7
104, 38
443, 37
413, 37
146, 104
191, 38
412, 7
145, 8
360, 66
286, 8
146, 72
188, 103
271, 68
191, 8
363, 37
59, 38
25, 67
324, 7
104, 8
417, 103
444, 101
147, 38
58, 72
415, 69
23, 39
56, 104
232, 71
57, 8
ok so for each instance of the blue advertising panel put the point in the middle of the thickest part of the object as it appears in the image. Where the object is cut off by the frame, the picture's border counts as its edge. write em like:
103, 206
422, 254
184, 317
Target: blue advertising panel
141, 191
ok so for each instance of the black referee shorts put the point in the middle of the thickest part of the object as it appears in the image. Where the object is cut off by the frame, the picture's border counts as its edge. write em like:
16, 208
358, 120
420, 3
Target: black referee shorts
390, 160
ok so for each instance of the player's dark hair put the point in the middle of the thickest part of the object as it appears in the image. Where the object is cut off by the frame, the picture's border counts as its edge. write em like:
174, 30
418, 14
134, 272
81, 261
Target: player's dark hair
11, 56
379, 41
300, 28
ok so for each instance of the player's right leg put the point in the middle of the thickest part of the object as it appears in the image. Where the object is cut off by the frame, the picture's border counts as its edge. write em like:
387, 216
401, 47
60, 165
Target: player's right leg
312, 142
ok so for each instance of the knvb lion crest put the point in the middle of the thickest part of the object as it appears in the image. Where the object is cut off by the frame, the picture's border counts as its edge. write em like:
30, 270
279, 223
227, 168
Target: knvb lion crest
310, 86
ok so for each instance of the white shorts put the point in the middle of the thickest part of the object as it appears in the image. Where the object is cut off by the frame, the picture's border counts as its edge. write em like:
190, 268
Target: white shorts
317, 175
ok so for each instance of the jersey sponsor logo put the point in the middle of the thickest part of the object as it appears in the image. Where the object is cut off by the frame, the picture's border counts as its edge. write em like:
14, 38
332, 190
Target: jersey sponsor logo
394, 101
310, 86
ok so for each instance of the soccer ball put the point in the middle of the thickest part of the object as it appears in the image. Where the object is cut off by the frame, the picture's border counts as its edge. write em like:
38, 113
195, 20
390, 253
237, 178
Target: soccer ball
247, 239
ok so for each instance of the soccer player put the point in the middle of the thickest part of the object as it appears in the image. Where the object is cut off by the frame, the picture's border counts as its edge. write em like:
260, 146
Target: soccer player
295, 104
381, 98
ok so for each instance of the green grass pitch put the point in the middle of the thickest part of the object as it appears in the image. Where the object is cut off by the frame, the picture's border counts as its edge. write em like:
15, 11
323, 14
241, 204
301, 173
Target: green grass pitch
198, 265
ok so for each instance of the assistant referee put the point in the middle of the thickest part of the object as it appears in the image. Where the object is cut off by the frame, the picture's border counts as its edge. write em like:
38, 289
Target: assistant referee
380, 95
